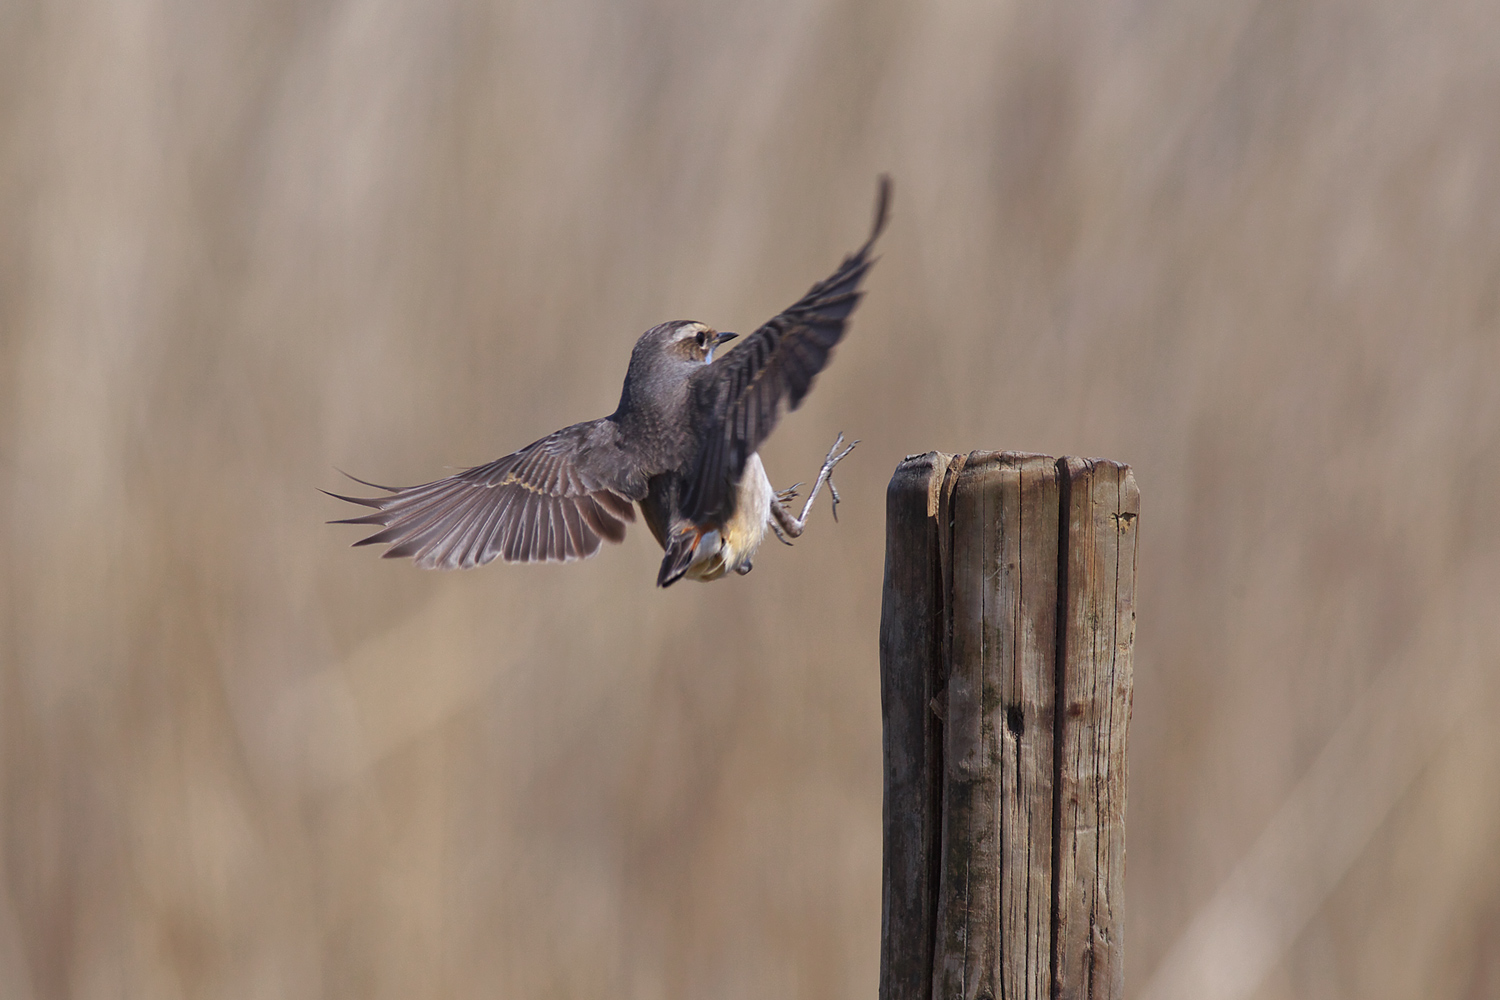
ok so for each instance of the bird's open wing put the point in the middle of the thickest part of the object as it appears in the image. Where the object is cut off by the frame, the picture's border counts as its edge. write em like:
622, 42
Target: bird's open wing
555, 500
743, 395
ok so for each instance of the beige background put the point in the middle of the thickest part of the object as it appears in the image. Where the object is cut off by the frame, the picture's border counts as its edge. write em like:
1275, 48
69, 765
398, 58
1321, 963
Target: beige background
1252, 248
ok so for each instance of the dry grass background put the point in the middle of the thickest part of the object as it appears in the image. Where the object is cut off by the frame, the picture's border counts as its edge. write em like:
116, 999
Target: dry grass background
1252, 248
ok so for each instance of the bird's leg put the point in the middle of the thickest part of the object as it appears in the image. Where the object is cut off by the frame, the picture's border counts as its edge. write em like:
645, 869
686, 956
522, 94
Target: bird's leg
778, 509
782, 522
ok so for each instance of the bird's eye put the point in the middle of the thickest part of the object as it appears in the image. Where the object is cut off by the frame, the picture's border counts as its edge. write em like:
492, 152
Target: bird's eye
702, 338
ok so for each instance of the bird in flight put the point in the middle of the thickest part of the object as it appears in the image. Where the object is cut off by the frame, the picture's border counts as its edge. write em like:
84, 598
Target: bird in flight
682, 443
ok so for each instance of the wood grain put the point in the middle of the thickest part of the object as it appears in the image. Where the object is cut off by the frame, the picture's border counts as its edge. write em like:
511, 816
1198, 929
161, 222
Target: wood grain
994, 905
1005, 765
911, 662
1026, 589
1102, 506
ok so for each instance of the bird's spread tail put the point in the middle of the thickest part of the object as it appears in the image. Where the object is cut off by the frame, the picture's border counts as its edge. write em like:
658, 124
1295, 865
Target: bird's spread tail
682, 549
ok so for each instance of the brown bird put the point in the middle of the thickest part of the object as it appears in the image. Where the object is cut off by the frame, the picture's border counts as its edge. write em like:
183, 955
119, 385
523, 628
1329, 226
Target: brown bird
682, 444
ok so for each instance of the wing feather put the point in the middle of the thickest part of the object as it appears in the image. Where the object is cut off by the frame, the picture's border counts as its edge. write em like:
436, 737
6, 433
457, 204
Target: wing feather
526, 538
744, 394
462, 553
556, 500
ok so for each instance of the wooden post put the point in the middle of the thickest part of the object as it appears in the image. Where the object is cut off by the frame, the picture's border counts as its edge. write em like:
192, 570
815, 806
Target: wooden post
1005, 657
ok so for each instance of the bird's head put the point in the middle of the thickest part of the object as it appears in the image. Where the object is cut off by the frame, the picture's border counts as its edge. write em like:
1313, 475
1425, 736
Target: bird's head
686, 340
664, 358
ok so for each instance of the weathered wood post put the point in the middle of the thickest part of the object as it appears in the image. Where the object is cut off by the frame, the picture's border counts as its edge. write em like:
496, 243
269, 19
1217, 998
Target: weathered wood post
1005, 665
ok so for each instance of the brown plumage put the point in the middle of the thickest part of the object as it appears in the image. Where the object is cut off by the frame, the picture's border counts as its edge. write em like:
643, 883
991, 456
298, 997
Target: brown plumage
550, 501
680, 443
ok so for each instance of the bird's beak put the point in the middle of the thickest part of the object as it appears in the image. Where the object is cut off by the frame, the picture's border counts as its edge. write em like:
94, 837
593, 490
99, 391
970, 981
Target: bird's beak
721, 338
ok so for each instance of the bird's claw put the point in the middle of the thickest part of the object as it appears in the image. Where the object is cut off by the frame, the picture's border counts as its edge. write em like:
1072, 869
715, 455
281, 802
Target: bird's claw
835, 456
781, 535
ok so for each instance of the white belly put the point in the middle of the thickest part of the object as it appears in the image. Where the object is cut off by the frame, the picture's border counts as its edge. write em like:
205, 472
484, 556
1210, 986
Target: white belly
736, 543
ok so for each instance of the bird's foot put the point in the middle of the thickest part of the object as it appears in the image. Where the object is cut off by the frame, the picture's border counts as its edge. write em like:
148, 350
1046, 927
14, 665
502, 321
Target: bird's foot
825, 475
782, 521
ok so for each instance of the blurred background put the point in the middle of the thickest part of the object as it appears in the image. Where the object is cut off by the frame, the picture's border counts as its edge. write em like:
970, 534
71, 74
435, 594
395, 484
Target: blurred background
1251, 248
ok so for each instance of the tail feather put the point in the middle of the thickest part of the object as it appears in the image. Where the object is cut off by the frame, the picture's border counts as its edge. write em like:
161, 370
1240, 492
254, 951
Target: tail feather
682, 546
